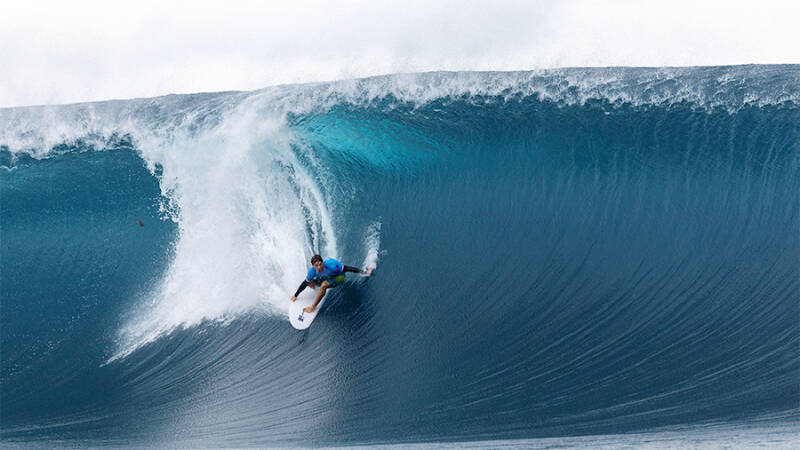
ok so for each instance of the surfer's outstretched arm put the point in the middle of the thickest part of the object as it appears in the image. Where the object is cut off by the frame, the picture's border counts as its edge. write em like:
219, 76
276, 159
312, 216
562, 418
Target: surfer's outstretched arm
352, 269
300, 289
367, 272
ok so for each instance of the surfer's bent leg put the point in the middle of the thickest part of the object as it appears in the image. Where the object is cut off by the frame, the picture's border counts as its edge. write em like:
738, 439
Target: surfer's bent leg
322, 289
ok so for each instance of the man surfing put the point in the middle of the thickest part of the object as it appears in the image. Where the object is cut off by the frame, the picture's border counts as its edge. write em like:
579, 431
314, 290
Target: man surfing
326, 273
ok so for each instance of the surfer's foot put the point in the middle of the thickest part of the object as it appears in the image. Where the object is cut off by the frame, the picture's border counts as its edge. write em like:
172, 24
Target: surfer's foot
309, 309
369, 271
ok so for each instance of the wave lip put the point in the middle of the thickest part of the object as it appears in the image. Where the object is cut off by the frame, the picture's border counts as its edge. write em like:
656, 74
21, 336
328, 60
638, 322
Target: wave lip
38, 129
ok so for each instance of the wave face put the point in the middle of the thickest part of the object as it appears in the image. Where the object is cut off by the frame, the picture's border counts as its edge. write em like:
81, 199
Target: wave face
559, 253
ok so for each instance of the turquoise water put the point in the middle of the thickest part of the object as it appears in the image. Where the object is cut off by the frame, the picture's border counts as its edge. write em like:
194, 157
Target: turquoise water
560, 254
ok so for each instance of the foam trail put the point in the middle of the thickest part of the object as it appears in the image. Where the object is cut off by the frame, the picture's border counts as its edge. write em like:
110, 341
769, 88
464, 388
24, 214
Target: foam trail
373, 244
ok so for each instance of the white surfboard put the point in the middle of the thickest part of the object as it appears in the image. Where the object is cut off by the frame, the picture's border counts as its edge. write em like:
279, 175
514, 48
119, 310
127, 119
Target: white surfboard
300, 319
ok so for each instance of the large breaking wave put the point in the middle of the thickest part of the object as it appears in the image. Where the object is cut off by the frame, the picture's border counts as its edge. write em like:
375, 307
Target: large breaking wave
561, 253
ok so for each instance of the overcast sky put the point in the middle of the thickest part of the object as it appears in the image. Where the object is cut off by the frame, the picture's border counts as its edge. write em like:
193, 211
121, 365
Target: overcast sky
81, 50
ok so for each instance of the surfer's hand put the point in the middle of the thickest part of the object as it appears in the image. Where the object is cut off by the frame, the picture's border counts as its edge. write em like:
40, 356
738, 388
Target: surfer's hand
309, 309
294, 297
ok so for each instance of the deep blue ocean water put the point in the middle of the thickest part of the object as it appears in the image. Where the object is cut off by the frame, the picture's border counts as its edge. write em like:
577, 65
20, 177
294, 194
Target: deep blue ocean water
560, 253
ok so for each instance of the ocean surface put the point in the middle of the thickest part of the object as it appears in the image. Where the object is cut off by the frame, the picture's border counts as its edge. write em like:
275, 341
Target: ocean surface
571, 254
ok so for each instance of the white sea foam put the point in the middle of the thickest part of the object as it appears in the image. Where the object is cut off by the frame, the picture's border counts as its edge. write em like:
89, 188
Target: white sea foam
248, 216
372, 243
778, 435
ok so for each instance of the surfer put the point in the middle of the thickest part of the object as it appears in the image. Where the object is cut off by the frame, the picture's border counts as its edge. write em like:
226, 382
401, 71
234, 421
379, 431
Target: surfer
328, 273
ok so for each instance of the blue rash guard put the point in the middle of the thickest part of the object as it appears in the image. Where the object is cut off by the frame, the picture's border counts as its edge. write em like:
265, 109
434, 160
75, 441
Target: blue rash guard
332, 269
333, 272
